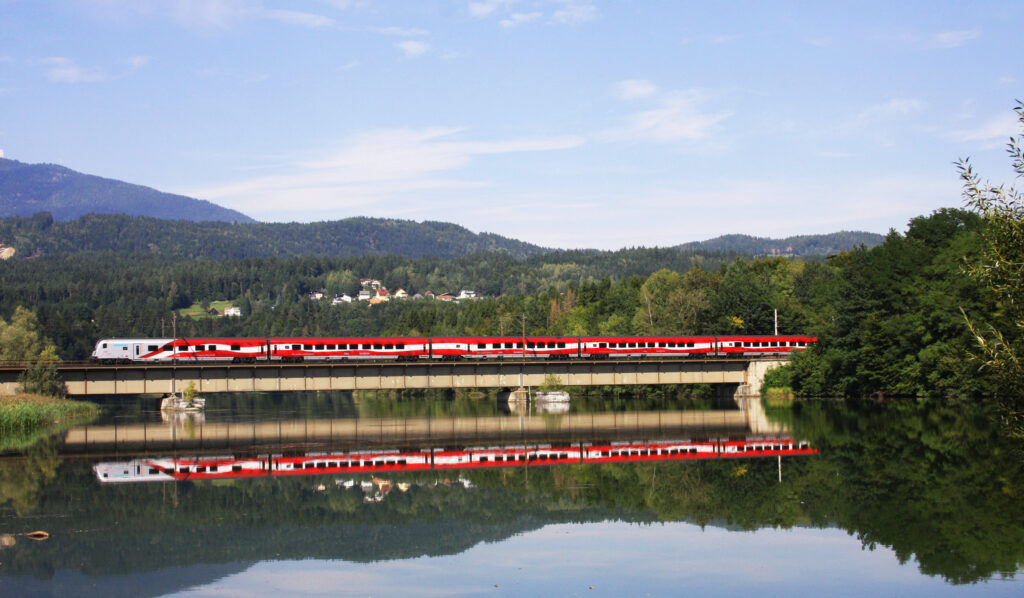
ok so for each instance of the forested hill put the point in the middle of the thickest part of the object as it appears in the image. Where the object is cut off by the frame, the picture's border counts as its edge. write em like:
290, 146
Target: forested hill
26, 189
40, 235
800, 245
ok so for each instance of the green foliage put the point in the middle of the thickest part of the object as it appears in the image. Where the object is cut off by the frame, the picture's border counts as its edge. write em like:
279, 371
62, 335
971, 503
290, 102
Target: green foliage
888, 318
20, 341
800, 245
1000, 267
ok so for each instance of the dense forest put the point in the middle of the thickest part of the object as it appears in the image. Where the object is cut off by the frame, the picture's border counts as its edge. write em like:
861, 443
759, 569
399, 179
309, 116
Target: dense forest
26, 189
40, 235
800, 245
889, 318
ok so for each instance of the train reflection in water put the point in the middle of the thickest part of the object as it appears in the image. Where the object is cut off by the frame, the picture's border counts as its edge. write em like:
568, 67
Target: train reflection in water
392, 460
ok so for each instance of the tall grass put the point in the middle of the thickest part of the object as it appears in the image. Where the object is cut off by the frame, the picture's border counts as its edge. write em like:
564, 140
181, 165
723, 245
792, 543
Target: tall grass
24, 419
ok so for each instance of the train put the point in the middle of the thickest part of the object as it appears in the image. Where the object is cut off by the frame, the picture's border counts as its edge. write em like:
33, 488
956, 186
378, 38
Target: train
321, 349
436, 459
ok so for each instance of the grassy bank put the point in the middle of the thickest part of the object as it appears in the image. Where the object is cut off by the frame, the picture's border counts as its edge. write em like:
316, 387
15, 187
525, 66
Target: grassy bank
25, 418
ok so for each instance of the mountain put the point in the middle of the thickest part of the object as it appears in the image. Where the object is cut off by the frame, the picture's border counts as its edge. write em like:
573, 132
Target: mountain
799, 245
40, 234
27, 189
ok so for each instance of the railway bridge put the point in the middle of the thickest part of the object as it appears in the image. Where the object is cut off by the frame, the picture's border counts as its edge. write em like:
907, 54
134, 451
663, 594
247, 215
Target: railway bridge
733, 376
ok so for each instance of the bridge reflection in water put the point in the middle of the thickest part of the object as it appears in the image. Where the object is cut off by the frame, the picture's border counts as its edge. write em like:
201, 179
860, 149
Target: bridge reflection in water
344, 434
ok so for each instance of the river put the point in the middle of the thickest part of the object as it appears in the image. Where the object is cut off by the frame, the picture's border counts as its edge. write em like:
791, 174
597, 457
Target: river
284, 494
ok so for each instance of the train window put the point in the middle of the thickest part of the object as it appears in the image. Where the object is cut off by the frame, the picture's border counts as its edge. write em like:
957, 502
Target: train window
296, 347
775, 344
378, 346
519, 345
307, 347
508, 345
366, 347
233, 347
632, 345
481, 345
400, 346
151, 348
330, 347
602, 345
319, 347
689, 345
530, 344
561, 345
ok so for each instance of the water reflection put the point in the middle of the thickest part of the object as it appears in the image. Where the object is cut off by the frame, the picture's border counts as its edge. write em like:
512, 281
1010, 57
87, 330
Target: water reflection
931, 488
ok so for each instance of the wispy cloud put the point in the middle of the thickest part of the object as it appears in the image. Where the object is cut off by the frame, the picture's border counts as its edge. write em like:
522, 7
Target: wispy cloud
560, 12
574, 12
302, 19
675, 115
376, 166
206, 14
64, 70
894, 107
993, 132
400, 31
632, 89
518, 18
412, 48
484, 8
954, 39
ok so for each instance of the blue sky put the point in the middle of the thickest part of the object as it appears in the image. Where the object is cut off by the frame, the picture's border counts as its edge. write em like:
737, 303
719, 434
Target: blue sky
567, 123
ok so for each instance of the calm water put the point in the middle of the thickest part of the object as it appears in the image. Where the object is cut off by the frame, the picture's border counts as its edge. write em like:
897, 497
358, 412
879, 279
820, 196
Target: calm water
321, 494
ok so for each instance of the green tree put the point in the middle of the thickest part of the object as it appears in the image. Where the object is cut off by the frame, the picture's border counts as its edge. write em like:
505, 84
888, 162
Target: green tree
1000, 266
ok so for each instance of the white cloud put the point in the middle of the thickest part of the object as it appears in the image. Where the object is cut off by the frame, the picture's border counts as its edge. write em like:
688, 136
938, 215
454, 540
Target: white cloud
574, 12
484, 8
1, 153
400, 31
137, 62
894, 107
208, 13
954, 39
632, 89
677, 117
302, 19
64, 70
412, 48
377, 167
993, 132
518, 18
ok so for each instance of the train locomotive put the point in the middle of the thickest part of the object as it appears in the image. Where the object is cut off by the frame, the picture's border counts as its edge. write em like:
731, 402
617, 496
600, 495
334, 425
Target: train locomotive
329, 349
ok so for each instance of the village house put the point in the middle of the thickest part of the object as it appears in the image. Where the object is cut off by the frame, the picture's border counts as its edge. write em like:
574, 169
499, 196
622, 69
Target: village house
339, 299
233, 311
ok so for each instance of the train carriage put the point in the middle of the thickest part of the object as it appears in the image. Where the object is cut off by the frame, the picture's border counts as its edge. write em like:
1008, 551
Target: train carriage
339, 348
643, 346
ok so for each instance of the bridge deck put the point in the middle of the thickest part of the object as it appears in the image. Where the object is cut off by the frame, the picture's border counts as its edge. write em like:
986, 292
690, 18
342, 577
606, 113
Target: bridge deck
210, 378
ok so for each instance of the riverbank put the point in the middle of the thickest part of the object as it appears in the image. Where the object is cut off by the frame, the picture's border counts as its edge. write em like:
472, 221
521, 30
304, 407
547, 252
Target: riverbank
24, 418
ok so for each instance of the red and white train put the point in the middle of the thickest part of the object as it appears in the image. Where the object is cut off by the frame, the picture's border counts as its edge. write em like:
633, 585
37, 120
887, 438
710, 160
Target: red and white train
296, 349
385, 460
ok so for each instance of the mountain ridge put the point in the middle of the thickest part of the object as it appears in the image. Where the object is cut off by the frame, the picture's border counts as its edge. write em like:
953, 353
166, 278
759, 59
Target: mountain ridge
27, 189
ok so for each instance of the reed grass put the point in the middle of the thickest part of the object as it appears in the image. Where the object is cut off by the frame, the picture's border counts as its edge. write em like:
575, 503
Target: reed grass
24, 418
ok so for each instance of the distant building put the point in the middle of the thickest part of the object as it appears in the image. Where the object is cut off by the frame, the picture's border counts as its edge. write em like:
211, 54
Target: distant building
364, 295
401, 294
316, 295
339, 299
446, 297
370, 283
464, 294
429, 294
233, 311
